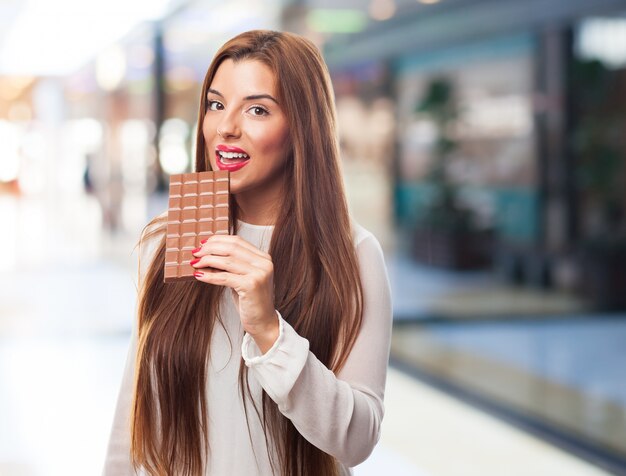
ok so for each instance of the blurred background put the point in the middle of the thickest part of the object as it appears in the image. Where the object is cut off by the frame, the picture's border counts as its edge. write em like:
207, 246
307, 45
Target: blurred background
483, 143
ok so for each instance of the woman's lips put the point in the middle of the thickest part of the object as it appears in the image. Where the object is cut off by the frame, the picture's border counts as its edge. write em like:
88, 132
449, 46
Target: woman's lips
231, 165
230, 148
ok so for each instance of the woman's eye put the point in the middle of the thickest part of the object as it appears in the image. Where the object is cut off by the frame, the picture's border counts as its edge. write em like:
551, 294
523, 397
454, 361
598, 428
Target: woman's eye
258, 111
214, 106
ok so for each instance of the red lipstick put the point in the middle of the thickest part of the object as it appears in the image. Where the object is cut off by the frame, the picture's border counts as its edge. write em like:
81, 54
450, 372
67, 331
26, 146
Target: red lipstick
230, 163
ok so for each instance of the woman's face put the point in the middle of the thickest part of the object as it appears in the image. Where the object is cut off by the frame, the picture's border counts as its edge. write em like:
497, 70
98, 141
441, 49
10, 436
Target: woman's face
245, 129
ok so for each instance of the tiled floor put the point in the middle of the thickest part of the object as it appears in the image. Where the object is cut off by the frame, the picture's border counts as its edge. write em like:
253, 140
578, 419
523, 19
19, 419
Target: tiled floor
585, 353
66, 306
443, 437
575, 411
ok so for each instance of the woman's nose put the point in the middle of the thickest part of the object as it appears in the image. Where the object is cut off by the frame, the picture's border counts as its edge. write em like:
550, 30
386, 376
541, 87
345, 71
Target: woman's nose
228, 128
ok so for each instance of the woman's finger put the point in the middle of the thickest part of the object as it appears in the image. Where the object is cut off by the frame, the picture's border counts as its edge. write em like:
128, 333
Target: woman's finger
220, 278
235, 251
230, 264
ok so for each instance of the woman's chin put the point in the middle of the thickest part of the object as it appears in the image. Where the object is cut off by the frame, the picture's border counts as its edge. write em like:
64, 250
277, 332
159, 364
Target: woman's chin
235, 185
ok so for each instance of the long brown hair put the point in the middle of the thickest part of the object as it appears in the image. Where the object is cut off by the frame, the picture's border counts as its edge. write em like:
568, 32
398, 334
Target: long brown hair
317, 285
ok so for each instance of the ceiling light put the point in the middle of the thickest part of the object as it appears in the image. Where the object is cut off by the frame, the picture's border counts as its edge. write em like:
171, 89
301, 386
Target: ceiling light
603, 39
336, 20
382, 9
111, 68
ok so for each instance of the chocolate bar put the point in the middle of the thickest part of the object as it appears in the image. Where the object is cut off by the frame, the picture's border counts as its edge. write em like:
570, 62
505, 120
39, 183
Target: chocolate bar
198, 207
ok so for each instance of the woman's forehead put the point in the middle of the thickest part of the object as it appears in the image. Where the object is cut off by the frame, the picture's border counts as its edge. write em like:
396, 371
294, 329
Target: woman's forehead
244, 77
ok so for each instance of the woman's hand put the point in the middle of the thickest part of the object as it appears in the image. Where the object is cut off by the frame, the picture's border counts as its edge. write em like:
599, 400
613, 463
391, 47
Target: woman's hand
231, 261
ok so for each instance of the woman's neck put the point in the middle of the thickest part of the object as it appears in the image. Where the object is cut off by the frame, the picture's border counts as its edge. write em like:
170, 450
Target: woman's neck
256, 211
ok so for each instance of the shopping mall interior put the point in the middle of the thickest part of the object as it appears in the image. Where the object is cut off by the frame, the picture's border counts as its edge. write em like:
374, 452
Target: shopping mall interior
483, 143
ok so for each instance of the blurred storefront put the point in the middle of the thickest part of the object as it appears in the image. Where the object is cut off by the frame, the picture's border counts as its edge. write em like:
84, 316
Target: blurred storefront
515, 161
508, 172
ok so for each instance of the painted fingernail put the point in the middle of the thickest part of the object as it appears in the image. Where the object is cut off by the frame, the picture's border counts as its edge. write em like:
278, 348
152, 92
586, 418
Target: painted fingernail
196, 250
204, 241
194, 261
198, 274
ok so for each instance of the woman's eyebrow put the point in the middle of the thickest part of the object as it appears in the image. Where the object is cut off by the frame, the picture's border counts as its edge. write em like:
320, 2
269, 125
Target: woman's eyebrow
247, 98
260, 96
216, 92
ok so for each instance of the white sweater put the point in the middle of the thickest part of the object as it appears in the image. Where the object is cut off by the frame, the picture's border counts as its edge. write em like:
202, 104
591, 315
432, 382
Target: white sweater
340, 414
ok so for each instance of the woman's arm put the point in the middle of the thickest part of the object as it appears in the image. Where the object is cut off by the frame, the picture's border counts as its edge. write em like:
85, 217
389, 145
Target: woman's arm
340, 414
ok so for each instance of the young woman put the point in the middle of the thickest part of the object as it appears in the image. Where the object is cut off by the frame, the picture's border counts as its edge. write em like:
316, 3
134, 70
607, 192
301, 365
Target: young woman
273, 362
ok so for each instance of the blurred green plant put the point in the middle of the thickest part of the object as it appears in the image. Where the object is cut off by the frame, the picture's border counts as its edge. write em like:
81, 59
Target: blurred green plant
446, 232
598, 145
444, 212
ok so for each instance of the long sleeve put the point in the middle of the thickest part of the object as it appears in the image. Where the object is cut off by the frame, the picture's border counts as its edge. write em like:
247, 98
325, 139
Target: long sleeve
339, 414
117, 461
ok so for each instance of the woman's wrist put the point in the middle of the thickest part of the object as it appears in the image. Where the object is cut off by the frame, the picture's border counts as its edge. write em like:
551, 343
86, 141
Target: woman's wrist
266, 337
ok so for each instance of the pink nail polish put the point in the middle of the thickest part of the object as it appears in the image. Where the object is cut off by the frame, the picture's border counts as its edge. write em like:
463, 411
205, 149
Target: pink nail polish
194, 261
196, 250
198, 274
204, 241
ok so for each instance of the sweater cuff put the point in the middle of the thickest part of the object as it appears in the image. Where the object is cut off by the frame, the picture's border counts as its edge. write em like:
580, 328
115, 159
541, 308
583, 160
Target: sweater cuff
250, 351
278, 369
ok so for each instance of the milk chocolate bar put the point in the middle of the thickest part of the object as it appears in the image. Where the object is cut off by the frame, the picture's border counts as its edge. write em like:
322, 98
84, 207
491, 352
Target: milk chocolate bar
198, 208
